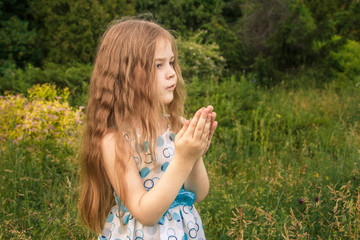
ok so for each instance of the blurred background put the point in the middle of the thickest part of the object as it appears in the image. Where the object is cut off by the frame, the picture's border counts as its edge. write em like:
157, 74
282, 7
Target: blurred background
283, 76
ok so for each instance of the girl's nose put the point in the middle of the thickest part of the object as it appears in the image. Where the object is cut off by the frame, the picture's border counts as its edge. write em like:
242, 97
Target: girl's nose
171, 72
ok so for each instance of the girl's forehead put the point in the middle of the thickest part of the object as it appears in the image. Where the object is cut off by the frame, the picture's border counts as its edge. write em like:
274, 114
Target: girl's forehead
163, 46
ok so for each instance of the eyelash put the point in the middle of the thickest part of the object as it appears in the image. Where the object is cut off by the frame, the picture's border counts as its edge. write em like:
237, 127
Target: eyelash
159, 65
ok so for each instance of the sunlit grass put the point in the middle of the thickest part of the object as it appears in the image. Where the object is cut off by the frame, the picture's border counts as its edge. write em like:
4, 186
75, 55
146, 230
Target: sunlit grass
283, 164
286, 167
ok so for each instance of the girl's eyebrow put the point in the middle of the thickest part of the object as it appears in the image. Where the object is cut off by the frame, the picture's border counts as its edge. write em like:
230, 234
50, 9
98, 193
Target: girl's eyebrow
163, 59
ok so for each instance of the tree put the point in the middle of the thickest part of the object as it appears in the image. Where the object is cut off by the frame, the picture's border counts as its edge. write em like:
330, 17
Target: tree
17, 37
69, 30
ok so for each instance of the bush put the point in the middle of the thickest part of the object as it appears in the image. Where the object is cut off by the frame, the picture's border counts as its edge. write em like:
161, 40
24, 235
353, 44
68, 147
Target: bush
46, 114
199, 60
69, 31
17, 41
75, 77
39, 142
348, 62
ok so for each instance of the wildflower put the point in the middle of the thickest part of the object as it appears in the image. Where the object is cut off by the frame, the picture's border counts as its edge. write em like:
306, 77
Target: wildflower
354, 178
53, 117
300, 201
316, 199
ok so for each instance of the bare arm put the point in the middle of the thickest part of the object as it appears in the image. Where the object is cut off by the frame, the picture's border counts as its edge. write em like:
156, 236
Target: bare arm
198, 180
149, 206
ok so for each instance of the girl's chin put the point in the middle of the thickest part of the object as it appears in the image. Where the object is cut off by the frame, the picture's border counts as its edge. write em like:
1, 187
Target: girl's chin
167, 100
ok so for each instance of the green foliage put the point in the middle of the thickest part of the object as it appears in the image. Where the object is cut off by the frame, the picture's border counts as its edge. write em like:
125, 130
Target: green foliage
233, 98
76, 78
198, 60
69, 31
17, 41
39, 141
17, 80
286, 168
283, 163
233, 50
39, 192
278, 35
336, 17
291, 45
284, 160
48, 92
348, 60
45, 114
182, 15
348, 20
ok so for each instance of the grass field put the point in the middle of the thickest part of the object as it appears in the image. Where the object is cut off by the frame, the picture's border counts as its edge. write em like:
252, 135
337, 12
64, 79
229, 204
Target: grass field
284, 164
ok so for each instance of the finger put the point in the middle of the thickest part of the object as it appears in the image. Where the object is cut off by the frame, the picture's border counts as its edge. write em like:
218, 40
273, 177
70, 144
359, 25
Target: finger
192, 124
212, 130
198, 111
201, 124
183, 129
213, 116
207, 127
210, 108
207, 147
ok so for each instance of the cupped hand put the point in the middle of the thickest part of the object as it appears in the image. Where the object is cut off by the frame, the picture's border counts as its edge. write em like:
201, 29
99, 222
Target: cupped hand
193, 139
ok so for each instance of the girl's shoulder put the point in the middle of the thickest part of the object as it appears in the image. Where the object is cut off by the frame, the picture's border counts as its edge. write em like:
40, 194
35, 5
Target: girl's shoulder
110, 140
109, 136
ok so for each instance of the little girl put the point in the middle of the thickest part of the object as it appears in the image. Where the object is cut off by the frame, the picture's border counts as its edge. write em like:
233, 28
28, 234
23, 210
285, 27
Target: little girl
138, 180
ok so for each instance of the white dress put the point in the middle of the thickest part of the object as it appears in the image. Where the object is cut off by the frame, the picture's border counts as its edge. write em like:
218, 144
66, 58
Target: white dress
180, 222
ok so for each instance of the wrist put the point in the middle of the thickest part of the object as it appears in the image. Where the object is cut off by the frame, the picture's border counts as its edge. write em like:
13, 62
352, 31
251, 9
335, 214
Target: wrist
181, 165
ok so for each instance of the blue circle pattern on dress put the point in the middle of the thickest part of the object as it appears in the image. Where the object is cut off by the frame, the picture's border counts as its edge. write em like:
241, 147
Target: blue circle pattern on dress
168, 152
164, 166
181, 222
144, 172
160, 141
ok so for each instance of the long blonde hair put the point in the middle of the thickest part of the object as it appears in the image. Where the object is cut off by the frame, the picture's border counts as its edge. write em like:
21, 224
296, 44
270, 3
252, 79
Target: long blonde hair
122, 88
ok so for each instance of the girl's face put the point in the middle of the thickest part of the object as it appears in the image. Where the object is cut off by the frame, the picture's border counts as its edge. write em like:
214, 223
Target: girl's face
165, 74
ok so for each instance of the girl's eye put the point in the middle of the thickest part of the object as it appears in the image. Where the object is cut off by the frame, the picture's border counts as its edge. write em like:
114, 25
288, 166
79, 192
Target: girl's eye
172, 63
159, 65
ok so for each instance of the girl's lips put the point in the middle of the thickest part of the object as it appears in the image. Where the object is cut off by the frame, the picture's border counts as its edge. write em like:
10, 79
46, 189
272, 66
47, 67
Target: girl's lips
171, 87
